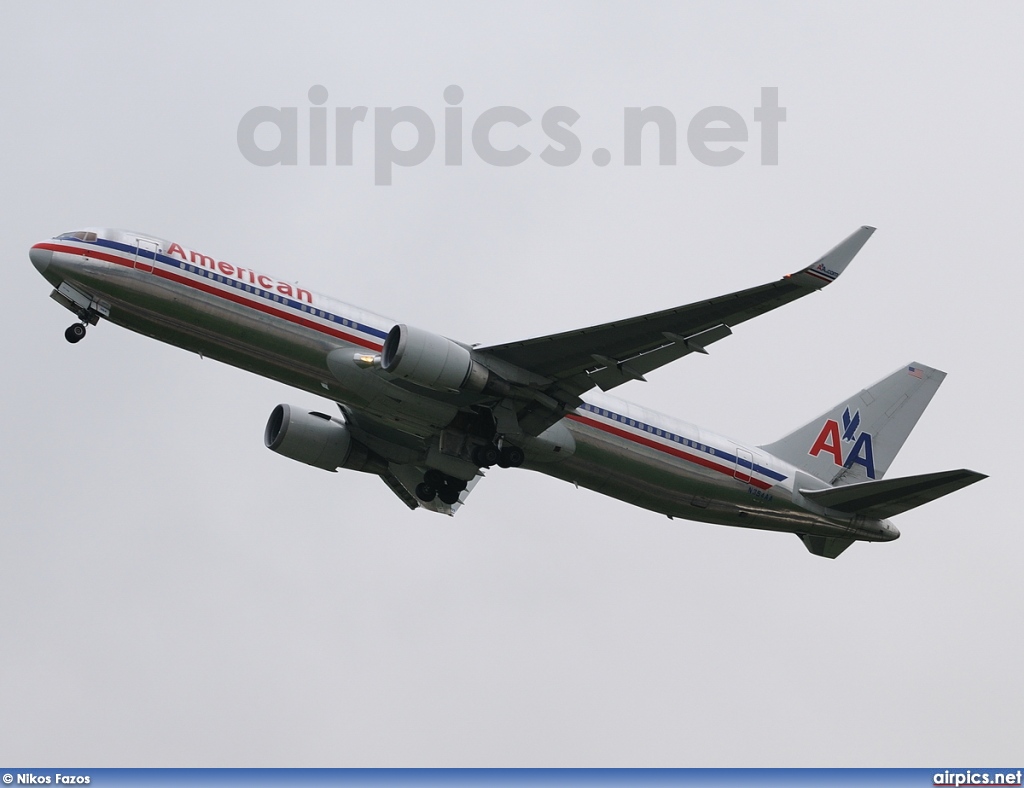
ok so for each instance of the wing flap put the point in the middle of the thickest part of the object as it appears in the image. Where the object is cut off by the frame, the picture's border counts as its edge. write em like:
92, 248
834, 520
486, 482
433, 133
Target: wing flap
400, 490
615, 373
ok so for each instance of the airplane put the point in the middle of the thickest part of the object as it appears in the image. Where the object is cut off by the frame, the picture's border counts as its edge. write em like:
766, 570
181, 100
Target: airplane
429, 414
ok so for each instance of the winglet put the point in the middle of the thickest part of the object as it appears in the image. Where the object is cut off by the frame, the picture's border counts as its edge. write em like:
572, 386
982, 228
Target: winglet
827, 268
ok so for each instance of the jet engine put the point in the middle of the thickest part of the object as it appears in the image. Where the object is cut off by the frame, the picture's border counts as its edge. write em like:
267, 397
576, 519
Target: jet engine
431, 360
318, 440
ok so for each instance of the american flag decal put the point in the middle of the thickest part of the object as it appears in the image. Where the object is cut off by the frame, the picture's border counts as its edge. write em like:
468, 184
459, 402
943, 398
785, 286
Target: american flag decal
915, 372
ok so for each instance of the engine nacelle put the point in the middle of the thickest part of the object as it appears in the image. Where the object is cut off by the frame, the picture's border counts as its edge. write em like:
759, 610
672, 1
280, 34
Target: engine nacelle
431, 360
315, 439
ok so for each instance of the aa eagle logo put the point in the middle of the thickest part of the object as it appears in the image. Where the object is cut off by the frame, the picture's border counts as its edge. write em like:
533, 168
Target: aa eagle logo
831, 442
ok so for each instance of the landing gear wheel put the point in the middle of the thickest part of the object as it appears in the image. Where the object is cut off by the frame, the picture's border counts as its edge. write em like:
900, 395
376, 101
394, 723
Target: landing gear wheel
511, 457
457, 484
448, 495
75, 333
434, 478
426, 492
485, 456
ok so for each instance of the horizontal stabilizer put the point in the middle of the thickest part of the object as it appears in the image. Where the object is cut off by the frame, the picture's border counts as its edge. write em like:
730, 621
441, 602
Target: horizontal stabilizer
888, 497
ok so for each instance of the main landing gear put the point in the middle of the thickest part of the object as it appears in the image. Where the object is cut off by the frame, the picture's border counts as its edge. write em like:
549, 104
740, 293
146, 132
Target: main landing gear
508, 456
439, 485
485, 456
75, 333
447, 488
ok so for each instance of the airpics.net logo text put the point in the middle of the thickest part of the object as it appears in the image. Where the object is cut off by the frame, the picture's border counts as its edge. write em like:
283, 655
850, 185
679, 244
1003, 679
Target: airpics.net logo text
955, 779
715, 136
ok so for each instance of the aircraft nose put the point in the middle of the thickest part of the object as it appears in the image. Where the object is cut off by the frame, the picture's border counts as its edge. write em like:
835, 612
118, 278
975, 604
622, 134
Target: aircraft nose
40, 257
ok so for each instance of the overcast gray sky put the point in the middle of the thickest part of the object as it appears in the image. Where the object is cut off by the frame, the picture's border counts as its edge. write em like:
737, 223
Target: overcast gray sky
173, 594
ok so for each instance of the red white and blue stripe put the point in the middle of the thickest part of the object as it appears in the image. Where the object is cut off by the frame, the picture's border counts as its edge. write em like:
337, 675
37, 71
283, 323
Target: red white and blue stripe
679, 446
309, 315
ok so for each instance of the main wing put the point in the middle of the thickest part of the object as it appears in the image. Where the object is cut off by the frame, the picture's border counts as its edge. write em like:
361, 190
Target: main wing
610, 354
537, 381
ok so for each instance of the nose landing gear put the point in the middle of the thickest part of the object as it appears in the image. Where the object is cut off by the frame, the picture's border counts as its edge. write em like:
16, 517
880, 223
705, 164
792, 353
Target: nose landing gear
75, 333
86, 308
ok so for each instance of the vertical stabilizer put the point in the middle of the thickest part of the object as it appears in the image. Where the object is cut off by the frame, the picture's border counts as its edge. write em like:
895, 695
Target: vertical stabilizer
858, 439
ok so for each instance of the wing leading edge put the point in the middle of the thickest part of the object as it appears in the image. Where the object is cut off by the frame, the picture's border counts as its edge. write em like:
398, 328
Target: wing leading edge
610, 354
685, 329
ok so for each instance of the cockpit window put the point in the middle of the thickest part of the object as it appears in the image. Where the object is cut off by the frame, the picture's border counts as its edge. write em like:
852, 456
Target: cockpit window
78, 235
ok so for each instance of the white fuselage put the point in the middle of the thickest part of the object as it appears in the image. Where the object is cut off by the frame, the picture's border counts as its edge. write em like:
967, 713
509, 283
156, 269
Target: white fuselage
276, 329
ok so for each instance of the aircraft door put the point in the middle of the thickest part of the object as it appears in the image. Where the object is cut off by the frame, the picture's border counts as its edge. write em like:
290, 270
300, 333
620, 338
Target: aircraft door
145, 254
744, 465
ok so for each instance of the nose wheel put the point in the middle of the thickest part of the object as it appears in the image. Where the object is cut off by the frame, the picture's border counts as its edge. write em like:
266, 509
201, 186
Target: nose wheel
75, 333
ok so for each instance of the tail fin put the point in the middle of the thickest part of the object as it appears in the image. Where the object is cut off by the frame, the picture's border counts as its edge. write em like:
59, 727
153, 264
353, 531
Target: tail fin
858, 439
